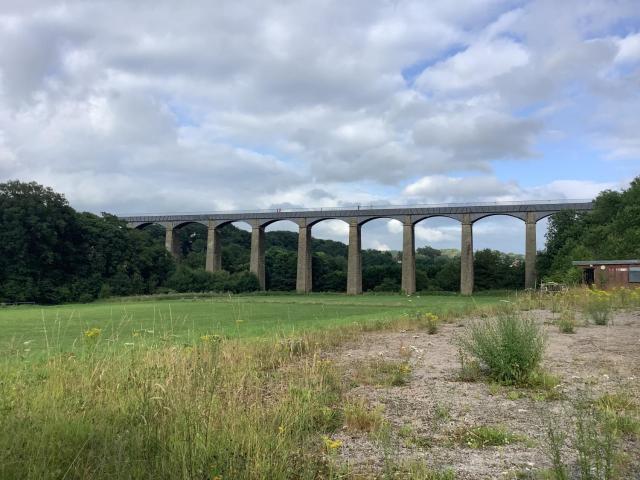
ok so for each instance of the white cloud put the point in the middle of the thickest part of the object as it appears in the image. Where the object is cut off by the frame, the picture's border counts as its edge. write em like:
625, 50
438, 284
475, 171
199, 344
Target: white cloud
439, 188
629, 49
235, 105
474, 67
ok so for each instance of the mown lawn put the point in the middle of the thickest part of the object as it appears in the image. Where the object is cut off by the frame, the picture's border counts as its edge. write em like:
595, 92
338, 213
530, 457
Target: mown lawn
29, 330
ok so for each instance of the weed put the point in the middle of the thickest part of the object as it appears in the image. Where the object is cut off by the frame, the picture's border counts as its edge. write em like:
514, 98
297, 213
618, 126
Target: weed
430, 321
469, 368
567, 322
621, 412
383, 373
416, 470
485, 436
514, 395
510, 347
556, 440
494, 389
442, 413
598, 307
596, 444
406, 431
360, 416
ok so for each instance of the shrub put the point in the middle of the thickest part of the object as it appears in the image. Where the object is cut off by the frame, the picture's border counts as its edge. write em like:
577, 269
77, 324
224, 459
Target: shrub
510, 347
596, 444
186, 279
598, 307
567, 322
430, 321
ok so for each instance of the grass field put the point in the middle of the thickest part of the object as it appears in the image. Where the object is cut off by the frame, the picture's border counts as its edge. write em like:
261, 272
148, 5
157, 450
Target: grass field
230, 387
35, 330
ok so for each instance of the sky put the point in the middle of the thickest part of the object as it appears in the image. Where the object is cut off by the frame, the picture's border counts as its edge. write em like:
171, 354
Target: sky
160, 107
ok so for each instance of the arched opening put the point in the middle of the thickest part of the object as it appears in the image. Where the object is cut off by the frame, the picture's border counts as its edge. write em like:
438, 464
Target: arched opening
438, 254
235, 246
543, 256
191, 247
329, 246
281, 254
381, 255
499, 248
156, 231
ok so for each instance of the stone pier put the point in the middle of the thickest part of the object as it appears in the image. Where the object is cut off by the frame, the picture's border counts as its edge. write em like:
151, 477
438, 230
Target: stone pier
354, 262
256, 264
466, 257
171, 241
530, 272
408, 259
214, 253
303, 278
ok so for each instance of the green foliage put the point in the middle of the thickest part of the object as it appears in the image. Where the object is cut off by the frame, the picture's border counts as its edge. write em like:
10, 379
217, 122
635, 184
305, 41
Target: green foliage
485, 436
510, 347
596, 436
611, 231
50, 253
567, 321
494, 270
429, 321
598, 307
186, 279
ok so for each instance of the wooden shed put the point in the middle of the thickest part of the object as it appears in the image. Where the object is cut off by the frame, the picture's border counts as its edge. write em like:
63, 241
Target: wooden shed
605, 274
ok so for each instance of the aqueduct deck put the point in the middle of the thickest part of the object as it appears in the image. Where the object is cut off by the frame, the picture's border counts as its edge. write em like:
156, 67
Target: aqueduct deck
466, 214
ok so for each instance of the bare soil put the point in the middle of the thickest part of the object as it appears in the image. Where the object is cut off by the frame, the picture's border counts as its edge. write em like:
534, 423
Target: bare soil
434, 403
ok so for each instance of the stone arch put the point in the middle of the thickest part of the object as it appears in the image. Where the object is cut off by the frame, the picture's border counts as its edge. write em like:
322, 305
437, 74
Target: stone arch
447, 228
518, 231
279, 269
311, 222
179, 225
474, 217
364, 220
387, 274
316, 271
415, 219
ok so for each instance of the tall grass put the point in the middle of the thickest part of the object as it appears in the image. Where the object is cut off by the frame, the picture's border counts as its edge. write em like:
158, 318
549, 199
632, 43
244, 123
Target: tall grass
212, 409
145, 405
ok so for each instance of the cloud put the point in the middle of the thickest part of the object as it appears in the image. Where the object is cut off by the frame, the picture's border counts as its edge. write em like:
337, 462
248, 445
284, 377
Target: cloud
628, 49
474, 67
477, 135
439, 188
241, 105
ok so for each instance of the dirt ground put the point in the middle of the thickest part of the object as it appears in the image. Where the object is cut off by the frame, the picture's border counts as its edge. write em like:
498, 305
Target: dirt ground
434, 403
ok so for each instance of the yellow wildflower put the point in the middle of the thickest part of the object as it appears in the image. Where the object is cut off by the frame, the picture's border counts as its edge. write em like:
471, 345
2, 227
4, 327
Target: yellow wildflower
331, 444
92, 333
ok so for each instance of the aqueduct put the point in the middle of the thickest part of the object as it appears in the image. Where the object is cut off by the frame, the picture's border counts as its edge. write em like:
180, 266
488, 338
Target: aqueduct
466, 214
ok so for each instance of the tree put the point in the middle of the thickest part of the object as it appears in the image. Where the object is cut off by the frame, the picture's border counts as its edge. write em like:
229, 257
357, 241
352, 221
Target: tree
610, 231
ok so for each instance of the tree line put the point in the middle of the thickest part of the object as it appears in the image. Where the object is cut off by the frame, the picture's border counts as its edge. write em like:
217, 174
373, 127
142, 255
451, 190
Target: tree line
611, 231
50, 253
